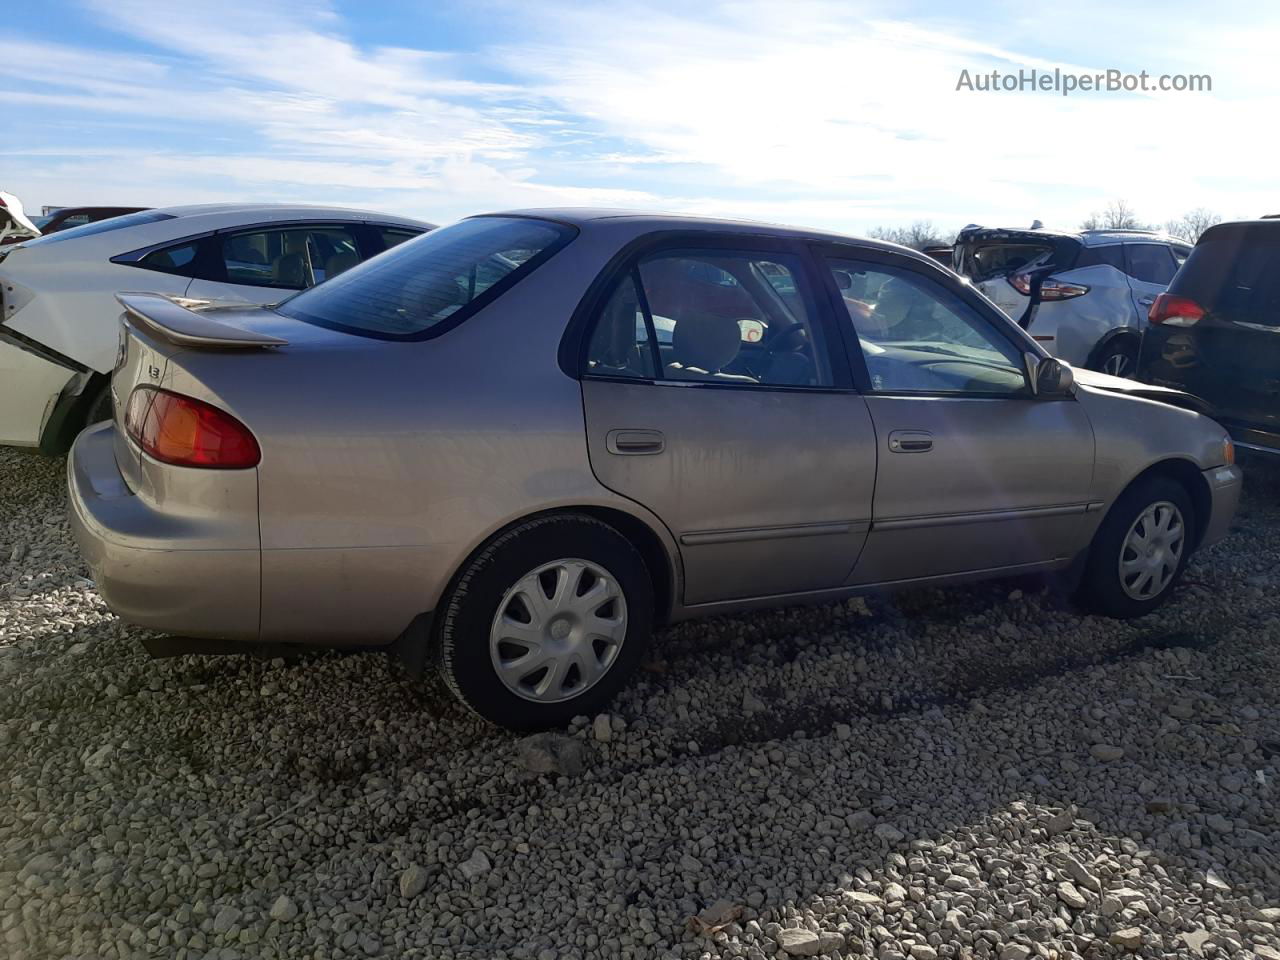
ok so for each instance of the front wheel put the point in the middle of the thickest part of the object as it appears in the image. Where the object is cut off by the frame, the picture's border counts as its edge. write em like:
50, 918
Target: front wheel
1141, 549
546, 622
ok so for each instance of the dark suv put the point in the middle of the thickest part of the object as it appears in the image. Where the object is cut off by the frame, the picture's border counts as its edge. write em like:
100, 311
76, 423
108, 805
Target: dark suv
1216, 331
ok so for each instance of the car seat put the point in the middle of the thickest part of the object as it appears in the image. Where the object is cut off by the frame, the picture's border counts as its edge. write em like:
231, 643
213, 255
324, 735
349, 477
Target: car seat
702, 345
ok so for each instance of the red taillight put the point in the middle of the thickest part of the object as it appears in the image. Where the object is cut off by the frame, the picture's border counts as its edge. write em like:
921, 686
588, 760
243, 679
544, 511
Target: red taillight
188, 432
1049, 289
1175, 311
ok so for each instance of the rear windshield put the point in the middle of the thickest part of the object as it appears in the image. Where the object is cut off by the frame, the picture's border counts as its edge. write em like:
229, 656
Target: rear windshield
981, 260
1235, 273
102, 226
433, 282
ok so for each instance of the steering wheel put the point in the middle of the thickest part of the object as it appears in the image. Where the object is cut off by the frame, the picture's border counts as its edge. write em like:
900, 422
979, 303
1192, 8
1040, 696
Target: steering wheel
792, 337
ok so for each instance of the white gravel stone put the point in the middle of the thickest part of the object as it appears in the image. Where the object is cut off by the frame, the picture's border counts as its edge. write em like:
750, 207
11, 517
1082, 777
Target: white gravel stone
284, 909
884, 777
413, 881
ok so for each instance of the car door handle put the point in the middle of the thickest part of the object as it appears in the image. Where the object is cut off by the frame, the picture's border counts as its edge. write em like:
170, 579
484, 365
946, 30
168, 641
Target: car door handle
634, 442
910, 441
1147, 301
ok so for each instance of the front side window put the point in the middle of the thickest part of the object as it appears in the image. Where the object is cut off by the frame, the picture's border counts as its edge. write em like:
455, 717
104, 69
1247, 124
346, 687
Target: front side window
436, 281
715, 316
1150, 262
918, 337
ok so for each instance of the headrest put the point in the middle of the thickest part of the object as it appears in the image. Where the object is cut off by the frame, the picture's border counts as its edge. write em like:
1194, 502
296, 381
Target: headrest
291, 269
339, 262
706, 340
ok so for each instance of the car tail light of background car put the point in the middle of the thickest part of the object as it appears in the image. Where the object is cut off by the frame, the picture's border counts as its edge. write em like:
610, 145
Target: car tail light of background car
188, 432
1049, 289
1174, 311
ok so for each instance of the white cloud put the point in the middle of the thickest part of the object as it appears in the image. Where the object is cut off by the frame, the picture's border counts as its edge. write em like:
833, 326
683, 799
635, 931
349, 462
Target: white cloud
840, 115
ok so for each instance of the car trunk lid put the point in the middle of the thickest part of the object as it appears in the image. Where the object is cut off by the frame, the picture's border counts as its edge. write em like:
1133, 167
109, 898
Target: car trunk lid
989, 256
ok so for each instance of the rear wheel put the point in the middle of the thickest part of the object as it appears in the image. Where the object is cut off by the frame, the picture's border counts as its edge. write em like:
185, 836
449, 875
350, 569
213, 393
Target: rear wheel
547, 622
1119, 358
1141, 549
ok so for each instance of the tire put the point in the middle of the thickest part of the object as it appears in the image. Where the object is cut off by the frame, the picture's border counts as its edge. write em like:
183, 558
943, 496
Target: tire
1119, 358
1104, 588
586, 667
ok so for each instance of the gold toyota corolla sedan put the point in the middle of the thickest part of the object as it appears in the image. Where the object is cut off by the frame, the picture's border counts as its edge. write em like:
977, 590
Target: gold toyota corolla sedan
517, 444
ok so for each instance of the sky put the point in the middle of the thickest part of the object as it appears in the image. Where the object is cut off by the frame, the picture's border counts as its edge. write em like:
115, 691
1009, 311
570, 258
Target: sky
842, 115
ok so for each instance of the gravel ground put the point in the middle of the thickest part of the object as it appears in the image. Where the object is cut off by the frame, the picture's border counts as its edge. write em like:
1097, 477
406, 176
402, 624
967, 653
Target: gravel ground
974, 772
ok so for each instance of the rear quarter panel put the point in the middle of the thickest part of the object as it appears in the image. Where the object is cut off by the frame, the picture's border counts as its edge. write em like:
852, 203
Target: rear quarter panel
385, 464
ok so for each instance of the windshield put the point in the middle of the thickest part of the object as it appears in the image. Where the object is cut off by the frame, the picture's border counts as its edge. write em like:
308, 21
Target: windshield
101, 226
410, 291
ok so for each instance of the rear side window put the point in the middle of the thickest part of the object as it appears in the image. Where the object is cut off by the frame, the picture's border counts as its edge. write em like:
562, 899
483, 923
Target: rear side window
292, 259
717, 316
421, 288
102, 226
1150, 262
1112, 256
1235, 274
392, 237
179, 259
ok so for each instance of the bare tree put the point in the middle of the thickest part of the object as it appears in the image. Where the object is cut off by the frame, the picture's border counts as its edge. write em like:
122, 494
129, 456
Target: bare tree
1118, 216
919, 235
1190, 225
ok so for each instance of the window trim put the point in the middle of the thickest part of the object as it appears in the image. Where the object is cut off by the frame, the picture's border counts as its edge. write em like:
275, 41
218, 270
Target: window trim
576, 340
1015, 336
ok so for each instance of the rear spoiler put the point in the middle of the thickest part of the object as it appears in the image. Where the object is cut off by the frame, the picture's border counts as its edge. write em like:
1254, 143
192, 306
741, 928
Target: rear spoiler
179, 324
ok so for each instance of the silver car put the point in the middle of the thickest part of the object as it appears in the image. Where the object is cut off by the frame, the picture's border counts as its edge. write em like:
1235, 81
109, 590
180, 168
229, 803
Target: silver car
519, 443
1083, 296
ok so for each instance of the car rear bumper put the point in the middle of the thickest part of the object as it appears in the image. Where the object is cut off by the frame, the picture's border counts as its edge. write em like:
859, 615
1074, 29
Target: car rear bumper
153, 568
1224, 496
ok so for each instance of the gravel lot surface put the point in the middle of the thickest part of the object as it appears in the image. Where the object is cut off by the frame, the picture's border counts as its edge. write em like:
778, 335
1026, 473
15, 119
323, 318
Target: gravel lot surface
974, 772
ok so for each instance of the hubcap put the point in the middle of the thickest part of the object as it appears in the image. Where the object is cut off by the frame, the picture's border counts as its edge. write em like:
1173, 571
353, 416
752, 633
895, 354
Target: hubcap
1117, 364
558, 630
1152, 550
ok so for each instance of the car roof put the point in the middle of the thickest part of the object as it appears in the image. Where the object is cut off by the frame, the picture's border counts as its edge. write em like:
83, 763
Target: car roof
585, 217
1234, 226
1088, 238
281, 211
1099, 238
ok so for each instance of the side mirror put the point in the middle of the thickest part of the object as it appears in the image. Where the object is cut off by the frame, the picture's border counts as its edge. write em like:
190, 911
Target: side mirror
843, 279
1048, 377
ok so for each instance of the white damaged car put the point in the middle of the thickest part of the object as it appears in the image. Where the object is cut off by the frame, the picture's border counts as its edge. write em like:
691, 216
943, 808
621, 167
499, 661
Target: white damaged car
59, 319
1084, 296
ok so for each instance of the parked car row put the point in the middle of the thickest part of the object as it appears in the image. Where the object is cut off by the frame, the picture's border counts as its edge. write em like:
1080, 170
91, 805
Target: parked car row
515, 445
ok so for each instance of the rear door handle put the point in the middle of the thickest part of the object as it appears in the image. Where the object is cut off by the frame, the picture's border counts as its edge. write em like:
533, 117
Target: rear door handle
634, 442
1147, 301
910, 441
